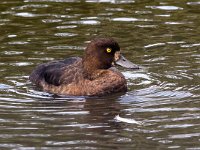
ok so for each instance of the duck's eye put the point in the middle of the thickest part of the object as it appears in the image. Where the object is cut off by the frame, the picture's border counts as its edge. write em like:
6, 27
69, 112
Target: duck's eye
108, 50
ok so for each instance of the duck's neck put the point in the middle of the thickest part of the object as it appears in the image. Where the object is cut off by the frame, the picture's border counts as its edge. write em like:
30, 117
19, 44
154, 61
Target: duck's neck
90, 66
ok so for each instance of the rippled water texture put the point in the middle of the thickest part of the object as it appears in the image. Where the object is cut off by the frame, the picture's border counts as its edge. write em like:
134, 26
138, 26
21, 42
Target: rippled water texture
160, 36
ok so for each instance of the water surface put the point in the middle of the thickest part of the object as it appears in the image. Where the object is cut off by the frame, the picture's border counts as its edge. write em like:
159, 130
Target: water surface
161, 36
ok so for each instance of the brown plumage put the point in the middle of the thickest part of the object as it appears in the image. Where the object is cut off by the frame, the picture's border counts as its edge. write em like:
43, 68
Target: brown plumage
91, 75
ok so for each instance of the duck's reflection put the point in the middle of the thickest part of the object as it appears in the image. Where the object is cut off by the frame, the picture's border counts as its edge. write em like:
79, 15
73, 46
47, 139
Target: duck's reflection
88, 112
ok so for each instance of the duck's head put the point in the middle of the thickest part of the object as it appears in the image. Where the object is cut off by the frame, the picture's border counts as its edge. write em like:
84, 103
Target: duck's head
103, 53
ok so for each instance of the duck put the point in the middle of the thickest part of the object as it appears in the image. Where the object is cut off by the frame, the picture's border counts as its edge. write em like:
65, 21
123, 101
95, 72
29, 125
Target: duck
93, 74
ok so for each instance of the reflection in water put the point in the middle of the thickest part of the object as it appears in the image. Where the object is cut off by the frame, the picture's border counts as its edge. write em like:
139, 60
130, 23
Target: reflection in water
162, 37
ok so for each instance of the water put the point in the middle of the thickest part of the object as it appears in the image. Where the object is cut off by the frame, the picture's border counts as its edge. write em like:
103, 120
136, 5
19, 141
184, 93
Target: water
160, 36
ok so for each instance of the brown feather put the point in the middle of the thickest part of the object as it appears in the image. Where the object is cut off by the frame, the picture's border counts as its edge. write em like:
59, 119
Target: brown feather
88, 76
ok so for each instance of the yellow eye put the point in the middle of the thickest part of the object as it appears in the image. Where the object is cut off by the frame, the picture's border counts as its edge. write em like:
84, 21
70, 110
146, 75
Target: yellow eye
108, 50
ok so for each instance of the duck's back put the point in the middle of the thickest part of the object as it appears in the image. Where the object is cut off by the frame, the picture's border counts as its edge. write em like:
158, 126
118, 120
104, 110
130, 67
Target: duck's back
57, 72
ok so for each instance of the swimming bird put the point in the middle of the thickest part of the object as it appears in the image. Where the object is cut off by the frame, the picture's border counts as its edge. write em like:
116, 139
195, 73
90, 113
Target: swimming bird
91, 75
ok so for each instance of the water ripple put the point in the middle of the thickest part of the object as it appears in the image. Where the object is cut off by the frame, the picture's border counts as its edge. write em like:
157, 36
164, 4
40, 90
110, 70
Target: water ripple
85, 22
26, 14
164, 109
154, 45
183, 136
125, 19
193, 3
30, 6
51, 20
65, 34
190, 45
67, 27
18, 43
165, 7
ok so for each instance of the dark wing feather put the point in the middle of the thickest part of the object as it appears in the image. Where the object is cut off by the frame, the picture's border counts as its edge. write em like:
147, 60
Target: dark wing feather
52, 72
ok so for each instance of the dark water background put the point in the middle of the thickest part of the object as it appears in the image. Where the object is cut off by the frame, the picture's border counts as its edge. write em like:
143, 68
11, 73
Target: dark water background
162, 36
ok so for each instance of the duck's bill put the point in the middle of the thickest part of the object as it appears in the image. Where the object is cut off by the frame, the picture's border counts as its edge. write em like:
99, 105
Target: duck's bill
123, 62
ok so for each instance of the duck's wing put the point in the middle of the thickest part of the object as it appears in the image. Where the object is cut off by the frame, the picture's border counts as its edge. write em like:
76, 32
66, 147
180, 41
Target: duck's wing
55, 73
